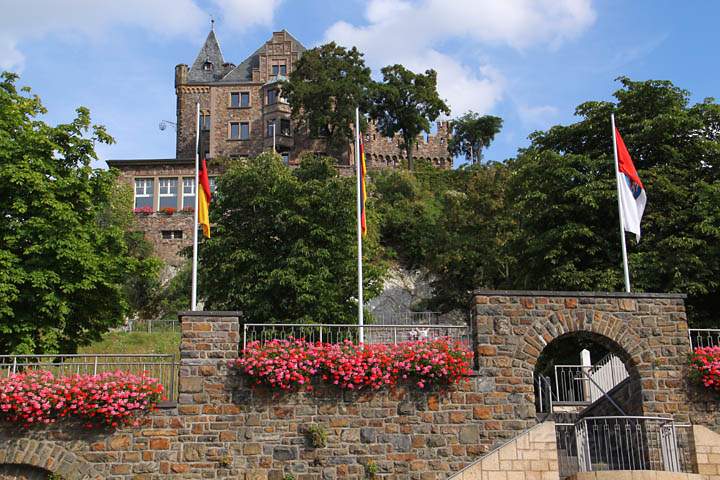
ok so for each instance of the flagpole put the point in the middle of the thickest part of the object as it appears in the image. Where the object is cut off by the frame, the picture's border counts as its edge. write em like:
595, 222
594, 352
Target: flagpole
193, 301
361, 320
617, 185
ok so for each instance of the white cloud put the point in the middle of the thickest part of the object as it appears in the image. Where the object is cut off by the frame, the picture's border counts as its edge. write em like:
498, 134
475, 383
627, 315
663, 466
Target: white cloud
93, 19
540, 116
413, 33
36, 19
240, 14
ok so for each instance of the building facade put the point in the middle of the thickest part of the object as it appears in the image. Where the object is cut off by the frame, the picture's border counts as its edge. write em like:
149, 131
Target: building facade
242, 114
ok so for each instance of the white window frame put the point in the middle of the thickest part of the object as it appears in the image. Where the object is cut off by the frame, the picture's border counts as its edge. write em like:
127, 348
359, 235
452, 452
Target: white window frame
168, 188
188, 182
146, 182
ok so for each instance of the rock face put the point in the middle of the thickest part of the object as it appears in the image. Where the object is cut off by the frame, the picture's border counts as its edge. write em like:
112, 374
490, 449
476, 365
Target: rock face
403, 291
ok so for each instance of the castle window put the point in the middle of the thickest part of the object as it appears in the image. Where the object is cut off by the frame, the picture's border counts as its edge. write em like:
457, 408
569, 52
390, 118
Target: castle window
207, 66
285, 157
239, 99
285, 127
270, 128
171, 234
168, 193
279, 69
188, 199
213, 184
144, 192
204, 121
272, 97
239, 130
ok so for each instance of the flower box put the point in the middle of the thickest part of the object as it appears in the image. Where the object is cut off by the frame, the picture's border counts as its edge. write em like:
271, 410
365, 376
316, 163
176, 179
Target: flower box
705, 367
289, 365
107, 399
143, 210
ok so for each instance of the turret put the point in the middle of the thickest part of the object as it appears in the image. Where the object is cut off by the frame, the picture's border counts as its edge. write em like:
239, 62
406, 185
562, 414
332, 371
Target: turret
181, 74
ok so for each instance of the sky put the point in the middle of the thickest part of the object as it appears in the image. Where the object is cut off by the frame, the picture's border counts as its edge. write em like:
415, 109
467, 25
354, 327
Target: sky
530, 62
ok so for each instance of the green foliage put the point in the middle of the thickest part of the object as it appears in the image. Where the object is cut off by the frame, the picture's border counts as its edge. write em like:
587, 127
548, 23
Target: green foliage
64, 258
323, 90
289, 476
318, 436
284, 244
406, 102
371, 469
135, 342
471, 133
566, 207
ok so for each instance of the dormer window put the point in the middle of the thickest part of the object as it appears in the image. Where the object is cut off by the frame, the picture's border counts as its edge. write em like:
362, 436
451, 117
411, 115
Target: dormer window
208, 66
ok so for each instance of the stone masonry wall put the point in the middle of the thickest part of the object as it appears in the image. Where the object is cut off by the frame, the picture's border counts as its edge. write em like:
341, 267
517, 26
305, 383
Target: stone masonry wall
221, 429
647, 331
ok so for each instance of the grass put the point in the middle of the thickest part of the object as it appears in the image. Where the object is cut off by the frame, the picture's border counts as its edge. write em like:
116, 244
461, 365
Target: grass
136, 342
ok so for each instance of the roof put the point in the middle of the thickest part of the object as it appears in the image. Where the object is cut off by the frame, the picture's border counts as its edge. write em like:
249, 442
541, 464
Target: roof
209, 53
142, 162
240, 74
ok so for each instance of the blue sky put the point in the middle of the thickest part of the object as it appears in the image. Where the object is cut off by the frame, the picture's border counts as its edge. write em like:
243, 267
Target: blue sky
528, 61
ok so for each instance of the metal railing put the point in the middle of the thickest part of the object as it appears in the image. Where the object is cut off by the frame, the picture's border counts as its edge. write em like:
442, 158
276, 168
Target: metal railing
566, 449
164, 367
406, 318
704, 337
579, 384
627, 443
543, 394
334, 333
605, 375
153, 325
624, 443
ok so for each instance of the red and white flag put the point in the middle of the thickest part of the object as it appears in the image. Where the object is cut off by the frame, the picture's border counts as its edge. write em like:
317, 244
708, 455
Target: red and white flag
630, 189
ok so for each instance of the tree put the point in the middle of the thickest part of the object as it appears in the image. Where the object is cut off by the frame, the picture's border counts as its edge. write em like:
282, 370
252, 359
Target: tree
324, 89
406, 103
471, 133
563, 192
283, 247
64, 260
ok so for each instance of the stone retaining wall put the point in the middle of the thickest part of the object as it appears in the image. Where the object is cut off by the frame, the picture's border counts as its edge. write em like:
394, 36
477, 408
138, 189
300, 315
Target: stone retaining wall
221, 429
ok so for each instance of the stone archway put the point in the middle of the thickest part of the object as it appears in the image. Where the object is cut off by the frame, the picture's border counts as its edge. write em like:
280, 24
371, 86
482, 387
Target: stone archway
44, 456
648, 330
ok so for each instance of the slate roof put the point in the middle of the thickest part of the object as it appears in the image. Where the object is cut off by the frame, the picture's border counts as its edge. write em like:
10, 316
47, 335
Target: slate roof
240, 74
210, 52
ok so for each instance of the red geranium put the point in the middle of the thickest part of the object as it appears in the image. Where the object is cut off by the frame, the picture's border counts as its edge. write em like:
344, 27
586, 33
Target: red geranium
291, 364
106, 399
705, 367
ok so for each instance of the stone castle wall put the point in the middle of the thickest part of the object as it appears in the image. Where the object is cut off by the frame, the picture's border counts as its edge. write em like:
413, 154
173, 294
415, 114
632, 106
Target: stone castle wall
221, 429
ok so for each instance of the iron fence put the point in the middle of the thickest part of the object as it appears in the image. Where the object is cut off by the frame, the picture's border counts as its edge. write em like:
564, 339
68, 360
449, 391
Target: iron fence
624, 443
371, 334
704, 337
406, 318
153, 325
581, 384
627, 443
164, 367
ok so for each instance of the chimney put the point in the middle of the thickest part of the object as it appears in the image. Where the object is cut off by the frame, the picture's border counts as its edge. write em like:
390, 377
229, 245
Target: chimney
181, 74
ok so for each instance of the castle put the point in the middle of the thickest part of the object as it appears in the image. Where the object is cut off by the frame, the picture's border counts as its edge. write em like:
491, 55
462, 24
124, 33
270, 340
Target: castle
242, 114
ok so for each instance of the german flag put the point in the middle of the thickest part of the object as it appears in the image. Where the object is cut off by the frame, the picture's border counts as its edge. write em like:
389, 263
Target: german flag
363, 189
203, 193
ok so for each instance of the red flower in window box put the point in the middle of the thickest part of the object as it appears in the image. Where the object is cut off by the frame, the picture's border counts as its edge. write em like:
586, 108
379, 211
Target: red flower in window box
705, 367
188, 209
168, 210
143, 210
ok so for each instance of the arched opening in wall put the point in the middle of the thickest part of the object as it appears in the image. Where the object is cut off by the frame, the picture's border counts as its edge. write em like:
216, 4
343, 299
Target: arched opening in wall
12, 471
583, 374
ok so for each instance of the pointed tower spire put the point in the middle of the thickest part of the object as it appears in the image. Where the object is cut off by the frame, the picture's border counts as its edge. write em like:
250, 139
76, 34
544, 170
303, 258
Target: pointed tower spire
208, 64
